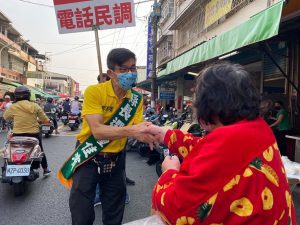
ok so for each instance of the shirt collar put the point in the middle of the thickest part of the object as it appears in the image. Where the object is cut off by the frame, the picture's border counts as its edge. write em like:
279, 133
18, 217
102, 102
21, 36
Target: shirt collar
111, 92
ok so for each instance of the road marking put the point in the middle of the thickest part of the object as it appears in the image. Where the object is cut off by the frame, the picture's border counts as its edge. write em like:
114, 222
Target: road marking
60, 127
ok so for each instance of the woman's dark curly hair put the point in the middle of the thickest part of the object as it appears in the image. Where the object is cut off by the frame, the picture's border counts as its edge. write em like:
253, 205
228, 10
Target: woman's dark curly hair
227, 92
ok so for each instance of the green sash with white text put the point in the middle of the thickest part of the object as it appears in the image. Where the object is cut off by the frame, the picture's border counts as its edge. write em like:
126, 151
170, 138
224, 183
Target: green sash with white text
91, 147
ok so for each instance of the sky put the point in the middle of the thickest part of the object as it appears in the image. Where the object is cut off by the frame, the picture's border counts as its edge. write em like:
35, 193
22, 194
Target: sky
75, 54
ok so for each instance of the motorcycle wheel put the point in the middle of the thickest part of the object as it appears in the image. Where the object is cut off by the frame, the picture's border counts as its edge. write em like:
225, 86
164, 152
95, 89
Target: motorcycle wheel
72, 128
19, 188
158, 168
47, 135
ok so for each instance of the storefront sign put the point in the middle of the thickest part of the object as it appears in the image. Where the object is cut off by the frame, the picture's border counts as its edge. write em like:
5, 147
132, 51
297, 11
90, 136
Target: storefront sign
76, 89
167, 93
149, 50
81, 15
215, 10
167, 96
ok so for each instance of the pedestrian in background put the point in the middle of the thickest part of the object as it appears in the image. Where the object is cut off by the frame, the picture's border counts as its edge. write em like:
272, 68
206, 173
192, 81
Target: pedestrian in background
281, 126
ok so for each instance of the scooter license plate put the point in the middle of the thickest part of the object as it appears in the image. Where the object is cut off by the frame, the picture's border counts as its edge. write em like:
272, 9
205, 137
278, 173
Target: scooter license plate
45, 128
64, 117
72, 121
17, 170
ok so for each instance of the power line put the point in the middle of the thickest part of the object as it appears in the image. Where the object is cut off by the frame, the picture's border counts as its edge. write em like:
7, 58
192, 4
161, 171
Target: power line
68, 50
73, 50
60, 43
58, 53
35, 3
71, 68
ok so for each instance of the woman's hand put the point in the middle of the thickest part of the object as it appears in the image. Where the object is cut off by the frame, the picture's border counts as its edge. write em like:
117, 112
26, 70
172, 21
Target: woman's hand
171, 162
158, 132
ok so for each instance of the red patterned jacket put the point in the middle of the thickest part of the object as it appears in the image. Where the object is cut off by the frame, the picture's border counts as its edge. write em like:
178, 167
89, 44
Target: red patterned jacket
232, 176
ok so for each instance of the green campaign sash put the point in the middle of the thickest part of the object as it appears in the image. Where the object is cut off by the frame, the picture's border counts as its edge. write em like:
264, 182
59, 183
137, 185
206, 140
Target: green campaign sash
91, 147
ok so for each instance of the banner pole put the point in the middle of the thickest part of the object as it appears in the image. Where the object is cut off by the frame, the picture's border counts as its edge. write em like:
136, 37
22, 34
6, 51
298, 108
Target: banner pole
96, 27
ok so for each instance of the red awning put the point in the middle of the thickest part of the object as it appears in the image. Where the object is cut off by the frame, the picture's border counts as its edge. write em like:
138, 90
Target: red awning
63, 95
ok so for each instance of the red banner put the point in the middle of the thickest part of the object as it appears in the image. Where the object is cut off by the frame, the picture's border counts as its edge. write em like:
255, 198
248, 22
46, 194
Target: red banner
76, 89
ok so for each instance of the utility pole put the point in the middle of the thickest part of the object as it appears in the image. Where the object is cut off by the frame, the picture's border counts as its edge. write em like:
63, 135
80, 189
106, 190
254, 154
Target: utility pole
96, 28
155, 18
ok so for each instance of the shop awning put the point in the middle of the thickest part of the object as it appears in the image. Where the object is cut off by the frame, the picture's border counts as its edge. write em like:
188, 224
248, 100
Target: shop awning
262, 26
35, 92
7, 87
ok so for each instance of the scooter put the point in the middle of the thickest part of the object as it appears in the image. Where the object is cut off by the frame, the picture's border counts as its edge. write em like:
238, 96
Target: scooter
74, 122
47, 129
22, 156
65, 118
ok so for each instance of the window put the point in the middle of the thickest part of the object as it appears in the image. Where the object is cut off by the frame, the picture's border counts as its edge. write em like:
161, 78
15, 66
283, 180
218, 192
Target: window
189, 32
167, 9
165, 50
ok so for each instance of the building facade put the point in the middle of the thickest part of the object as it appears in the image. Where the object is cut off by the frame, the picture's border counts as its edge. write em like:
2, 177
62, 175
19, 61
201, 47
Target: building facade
262, 35
16, 55
52, 83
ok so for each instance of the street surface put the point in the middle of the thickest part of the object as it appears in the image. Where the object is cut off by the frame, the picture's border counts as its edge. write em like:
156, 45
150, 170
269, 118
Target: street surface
46, 201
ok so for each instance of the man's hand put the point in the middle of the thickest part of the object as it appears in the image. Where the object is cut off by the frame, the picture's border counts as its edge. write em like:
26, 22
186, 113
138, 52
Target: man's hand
158, 132
140, 133
171, 162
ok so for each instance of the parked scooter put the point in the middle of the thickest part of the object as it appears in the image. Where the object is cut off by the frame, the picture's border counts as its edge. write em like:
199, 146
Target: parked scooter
74, 122
22, 155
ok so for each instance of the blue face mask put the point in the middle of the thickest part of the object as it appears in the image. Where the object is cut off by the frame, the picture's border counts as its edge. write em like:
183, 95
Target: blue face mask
127, 80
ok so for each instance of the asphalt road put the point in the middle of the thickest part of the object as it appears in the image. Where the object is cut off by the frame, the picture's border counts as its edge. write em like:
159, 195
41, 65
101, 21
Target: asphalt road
46, 200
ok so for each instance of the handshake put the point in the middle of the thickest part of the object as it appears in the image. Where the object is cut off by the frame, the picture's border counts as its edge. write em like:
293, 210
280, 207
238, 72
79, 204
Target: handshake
148, 133
153, 135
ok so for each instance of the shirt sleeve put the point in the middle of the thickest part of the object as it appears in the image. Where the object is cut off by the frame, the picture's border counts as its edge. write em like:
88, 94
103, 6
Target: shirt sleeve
180, 143
8, 115
92, 102
138, 118
40, 114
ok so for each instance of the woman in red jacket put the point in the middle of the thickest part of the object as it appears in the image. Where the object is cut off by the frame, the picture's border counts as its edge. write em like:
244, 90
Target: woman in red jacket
233, 175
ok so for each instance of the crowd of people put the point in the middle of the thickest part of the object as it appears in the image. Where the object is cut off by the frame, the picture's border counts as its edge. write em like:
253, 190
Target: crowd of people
250, 189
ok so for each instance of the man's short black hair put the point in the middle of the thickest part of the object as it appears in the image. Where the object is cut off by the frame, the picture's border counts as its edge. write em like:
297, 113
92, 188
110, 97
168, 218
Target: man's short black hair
227, 92
118, 56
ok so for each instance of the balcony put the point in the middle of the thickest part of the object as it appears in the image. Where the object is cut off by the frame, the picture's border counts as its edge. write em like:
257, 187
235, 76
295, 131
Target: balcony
10, 74
17, 51
9, 42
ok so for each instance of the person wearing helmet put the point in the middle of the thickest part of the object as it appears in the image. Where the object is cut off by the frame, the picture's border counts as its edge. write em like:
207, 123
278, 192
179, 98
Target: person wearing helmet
25, 115
76, 106
66, 106
51, 110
